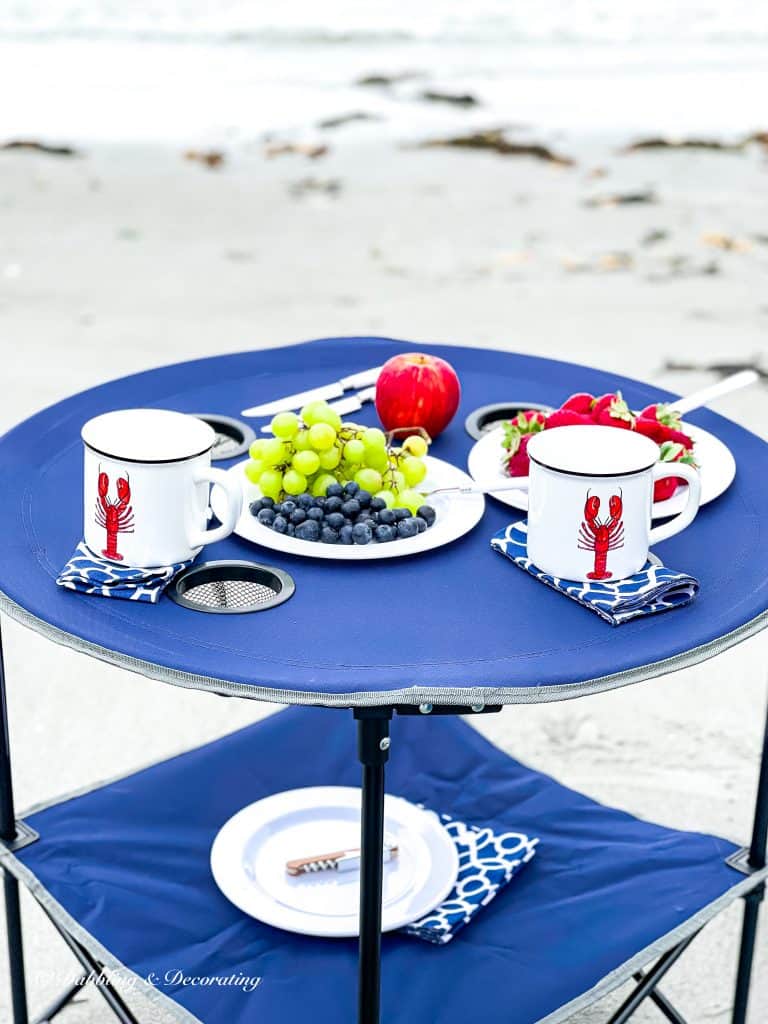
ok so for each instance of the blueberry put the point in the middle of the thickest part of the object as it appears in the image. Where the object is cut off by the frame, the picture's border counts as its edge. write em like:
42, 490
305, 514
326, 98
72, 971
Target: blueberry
329, 536
401, 513
364, 497
335, 520
365, 516
428, 514
277, 508
421, 524
345, 535
362, 533
334, 491
320, 501
407, 528
266, 516
255, 507
289, 507
348, 521
280, 524
333, 504
315, 514
305, 501
351, 488
267, 502
308, 530
298, 516
384, 533
387, 516
377, 504
351, 508
290, 530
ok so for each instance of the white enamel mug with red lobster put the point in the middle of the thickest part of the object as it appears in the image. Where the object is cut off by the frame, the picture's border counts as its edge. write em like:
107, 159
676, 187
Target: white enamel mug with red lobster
147, 481
590, 493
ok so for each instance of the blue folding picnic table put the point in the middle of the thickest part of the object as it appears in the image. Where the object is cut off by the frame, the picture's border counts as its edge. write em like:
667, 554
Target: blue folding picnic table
456, 631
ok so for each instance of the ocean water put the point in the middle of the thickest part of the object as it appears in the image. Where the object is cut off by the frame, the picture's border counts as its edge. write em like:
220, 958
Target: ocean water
189, 71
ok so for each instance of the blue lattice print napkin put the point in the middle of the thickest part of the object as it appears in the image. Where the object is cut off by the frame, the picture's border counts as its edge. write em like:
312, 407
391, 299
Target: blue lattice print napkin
488, 861
88, 574
654, 589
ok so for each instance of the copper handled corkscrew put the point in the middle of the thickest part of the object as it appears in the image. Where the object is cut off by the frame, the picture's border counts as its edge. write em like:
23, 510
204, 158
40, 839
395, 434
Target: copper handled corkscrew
340, 860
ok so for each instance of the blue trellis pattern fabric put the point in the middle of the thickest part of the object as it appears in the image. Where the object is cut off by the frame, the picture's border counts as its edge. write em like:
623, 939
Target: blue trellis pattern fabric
654, 589
91, 575
487, 862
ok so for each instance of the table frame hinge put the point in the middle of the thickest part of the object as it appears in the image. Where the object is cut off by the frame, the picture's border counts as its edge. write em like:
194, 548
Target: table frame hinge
739, 861
25, 836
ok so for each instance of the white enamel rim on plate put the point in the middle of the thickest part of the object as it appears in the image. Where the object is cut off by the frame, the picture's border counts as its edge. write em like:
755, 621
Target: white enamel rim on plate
457, 514
717, 467
428, 851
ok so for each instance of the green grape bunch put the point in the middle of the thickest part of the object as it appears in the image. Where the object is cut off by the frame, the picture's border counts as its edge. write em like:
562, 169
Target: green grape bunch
310, 451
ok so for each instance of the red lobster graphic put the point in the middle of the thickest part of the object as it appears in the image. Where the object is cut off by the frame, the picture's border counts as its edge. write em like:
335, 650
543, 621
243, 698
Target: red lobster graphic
601, 536
115, 516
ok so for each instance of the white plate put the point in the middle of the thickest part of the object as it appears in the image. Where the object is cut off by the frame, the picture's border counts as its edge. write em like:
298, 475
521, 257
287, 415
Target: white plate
457, 514
249, 854
717, 468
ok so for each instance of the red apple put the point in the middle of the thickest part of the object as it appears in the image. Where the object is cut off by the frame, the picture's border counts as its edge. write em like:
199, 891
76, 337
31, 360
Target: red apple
417, 390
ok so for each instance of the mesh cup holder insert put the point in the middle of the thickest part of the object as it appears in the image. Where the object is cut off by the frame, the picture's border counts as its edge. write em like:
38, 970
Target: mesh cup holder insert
487, 417
228, 588
233, 437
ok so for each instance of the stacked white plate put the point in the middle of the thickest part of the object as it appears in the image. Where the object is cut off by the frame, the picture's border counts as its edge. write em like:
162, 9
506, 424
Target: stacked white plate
250, 852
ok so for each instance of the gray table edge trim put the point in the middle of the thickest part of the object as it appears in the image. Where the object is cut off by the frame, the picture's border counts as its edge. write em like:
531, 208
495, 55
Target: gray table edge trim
383, 698
604, 987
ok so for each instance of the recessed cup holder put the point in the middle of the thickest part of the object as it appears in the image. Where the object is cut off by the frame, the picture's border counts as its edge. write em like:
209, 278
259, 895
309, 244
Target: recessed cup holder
233, 437
487, 417
231, 587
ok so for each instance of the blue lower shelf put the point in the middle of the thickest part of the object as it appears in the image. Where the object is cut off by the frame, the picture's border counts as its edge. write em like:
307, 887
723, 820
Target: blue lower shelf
125, 868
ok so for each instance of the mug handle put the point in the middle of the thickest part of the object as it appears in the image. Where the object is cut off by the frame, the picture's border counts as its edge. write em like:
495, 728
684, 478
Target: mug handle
199, 538
665, 469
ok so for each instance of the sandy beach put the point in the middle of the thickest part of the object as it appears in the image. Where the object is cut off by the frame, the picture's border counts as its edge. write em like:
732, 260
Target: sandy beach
126, 256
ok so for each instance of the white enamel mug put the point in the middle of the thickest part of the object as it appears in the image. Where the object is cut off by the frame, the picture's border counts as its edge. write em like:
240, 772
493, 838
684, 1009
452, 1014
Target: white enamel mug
590, 493
147, 481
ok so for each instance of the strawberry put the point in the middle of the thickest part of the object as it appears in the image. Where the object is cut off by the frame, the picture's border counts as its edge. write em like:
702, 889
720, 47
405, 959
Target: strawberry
581, 402
517, 433
678, 437
568, 418
662, 423
671, 451
663, 413
613, 411
651, 428
518, 464
529, 422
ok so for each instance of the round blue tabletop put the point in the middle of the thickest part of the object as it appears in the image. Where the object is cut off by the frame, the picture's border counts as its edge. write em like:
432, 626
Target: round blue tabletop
457, 625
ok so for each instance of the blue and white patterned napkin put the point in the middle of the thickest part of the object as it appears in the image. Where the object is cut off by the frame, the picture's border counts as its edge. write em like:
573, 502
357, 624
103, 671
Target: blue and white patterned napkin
488, 860
91, 575
654, 589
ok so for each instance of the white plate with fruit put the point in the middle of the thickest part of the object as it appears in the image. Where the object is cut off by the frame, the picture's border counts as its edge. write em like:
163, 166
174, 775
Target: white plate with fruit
326, 489
500, 454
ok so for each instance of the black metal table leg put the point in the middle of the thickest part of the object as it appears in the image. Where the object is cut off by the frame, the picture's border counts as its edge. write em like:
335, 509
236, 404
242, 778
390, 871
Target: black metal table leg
373, 752
757, 851
753, 899
54, 1009
650, 981
10, 885
662, 1002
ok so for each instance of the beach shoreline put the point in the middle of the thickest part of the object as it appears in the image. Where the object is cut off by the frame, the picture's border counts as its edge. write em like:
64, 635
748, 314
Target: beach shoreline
132, 255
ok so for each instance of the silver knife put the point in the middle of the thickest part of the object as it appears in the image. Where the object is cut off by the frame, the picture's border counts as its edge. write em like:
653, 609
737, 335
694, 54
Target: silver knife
327, 391
344, 405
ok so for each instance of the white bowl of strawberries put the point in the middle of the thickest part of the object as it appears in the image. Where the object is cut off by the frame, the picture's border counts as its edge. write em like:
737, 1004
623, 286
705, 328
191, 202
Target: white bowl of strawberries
501, 454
